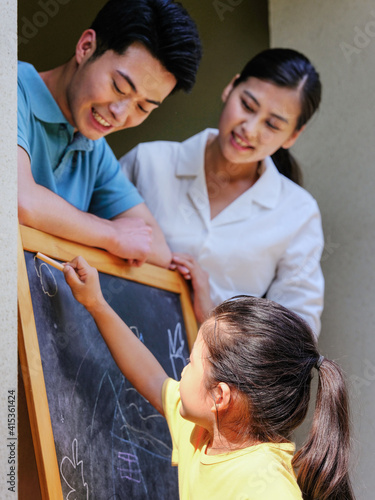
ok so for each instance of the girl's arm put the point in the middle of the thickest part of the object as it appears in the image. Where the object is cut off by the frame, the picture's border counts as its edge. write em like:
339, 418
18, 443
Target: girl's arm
133, 358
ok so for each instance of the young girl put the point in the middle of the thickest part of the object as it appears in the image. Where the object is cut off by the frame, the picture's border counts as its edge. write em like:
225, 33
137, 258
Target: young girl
236, 225
245, 389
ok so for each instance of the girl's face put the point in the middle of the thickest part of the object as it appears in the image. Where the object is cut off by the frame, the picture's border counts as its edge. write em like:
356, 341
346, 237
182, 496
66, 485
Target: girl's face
195, 400
258, 118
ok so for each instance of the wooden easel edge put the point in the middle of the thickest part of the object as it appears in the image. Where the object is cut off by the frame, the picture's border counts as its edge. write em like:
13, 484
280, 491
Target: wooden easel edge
36, 395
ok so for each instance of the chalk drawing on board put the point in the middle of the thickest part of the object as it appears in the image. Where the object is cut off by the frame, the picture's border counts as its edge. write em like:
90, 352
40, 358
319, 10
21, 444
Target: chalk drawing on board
78, 371
46, 277
129, 448
72, 473
130, 470
145, 431
115, 449
176, 348
134, 329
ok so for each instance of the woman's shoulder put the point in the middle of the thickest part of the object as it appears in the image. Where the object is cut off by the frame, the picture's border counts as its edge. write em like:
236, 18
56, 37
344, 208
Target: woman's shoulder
173, 147
283, 193
297, 194
166, 157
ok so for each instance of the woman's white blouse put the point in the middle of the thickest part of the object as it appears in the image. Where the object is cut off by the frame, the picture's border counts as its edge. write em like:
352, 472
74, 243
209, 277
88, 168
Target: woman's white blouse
268, 242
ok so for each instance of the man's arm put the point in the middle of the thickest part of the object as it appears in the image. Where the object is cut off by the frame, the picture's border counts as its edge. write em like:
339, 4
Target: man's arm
38, 207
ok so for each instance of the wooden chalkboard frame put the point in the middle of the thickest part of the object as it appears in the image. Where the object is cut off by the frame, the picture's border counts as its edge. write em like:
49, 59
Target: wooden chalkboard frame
28, 346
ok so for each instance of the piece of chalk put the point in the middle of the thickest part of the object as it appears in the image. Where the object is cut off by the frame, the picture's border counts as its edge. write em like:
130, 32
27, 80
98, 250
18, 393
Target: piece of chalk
50, 261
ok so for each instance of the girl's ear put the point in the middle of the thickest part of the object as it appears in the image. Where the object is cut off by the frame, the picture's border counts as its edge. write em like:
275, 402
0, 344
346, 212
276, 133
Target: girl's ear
228, 89
292, 139
86, 46
221, 395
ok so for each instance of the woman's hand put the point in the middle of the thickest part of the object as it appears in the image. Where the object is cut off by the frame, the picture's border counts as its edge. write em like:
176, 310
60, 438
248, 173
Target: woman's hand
84, 283
191, 270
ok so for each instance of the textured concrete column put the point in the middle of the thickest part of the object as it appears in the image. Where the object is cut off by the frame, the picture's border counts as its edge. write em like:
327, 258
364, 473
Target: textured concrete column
8, 249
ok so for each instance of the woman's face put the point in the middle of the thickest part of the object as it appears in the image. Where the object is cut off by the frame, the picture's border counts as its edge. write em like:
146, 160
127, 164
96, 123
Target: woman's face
258, 118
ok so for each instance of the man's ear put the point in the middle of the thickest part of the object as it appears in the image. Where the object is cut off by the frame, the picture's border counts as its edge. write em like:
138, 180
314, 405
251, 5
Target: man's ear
86, 46
228, 89
292, 139
221, 395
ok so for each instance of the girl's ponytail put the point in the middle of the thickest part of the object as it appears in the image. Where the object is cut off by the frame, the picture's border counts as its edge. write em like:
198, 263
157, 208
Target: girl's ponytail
268, 354
323, 461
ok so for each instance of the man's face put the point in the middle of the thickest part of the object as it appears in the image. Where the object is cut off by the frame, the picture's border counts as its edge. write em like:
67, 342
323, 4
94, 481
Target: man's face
114, 92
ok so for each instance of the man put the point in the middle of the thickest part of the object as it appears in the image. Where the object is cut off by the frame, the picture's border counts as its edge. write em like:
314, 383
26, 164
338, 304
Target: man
70, 185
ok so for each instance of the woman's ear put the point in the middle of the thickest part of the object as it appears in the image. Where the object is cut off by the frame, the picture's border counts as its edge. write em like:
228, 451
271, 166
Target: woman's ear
292, 139
228, 89
221, 395
86, 46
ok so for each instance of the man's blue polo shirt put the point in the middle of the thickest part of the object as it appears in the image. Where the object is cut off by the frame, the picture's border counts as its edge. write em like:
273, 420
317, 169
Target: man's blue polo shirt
85, 173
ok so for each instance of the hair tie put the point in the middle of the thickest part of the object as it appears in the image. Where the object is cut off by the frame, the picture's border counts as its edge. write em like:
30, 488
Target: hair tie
319, 362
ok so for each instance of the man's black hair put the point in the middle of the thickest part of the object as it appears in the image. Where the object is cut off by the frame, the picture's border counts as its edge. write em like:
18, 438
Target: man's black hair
164, 28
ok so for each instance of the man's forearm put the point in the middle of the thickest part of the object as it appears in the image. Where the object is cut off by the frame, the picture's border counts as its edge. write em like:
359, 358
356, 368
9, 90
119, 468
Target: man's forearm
44, 210
48, 212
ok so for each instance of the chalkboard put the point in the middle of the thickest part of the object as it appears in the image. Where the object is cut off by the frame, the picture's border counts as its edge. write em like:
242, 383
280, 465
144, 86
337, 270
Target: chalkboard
110, 443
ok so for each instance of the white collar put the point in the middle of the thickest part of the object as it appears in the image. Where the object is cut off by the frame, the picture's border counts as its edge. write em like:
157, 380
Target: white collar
266, 191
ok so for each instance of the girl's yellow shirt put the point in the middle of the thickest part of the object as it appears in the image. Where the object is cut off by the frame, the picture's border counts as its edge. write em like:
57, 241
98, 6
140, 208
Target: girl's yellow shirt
261, 472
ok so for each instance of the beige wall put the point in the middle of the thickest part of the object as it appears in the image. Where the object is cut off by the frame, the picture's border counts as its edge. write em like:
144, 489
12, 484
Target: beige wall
8, 237
337, 154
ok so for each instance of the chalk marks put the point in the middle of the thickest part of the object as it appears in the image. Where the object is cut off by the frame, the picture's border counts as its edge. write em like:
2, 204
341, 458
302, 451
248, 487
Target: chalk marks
131, 468
46, 277
135, 330
109, 441
72, 473
176, 348
142, 432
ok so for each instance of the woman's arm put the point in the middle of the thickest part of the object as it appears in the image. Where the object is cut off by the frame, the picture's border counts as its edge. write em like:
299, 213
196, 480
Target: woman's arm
191, 270
133, 358
299, 282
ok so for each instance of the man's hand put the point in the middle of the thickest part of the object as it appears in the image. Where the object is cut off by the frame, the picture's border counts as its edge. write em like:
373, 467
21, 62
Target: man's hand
131, 239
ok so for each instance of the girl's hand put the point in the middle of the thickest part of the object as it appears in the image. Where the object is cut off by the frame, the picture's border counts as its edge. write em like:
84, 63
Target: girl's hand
84, 283
191, 270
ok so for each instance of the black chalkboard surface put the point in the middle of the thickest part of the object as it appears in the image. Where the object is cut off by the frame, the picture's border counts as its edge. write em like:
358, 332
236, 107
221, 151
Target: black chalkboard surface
110, 442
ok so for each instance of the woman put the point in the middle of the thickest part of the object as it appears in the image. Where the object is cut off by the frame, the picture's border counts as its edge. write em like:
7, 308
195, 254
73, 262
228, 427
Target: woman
236, 225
